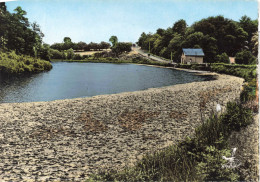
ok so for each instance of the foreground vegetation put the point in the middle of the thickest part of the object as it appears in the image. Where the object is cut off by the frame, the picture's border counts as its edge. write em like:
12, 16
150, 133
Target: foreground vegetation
13, 64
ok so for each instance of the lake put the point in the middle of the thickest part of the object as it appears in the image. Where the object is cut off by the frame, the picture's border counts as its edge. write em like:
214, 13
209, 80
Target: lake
73, 80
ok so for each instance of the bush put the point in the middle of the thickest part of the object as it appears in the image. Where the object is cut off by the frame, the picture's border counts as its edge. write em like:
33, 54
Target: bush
70, 54
12, 64
121, 47
222, 58
236, 117
78, 57
245, 57
55, 54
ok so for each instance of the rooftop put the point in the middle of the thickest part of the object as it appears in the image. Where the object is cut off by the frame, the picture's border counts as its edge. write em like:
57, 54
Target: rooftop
193, 52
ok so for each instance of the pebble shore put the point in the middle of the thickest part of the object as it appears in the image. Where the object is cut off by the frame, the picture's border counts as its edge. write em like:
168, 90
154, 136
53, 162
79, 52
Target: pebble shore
66, 140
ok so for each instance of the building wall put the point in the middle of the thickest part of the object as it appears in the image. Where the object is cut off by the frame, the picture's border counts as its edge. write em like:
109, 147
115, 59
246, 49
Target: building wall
191, 59
232, 60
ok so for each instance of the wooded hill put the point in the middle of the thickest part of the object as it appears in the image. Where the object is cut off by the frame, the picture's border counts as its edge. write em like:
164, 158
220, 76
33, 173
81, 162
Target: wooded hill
218, 37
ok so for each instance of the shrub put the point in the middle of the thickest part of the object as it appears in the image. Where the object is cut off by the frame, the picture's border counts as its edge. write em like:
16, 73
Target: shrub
222, 58
210, 168
55, 54
245, 57
70, 54
236, 117
12, 64
78, 57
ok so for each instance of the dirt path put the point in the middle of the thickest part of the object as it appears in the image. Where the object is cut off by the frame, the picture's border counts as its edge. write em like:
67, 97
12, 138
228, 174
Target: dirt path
151, 57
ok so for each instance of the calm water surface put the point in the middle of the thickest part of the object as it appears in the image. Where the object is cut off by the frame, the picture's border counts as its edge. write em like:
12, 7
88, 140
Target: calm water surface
72, 80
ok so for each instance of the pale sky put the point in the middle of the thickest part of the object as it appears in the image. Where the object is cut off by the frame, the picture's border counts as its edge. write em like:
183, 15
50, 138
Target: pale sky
98, 20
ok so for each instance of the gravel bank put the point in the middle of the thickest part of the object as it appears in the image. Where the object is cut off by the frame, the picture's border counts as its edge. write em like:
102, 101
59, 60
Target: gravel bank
69, 139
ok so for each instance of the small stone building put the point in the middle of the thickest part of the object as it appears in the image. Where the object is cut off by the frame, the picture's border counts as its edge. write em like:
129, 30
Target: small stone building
190, 56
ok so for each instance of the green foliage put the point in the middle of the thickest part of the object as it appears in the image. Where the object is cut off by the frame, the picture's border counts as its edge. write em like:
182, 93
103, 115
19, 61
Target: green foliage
70, 54
248, 93
223, 58
245, 71
55, 54
121, 47
249, 26
114, 40
44, 52
180, 27
236, 117
215, 35
13, 64
17, 33
210, 168
81, 46
254, 44
245, 57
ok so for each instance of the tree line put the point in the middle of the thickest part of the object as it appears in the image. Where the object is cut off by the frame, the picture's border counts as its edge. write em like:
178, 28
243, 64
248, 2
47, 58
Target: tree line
80, 46
219, 38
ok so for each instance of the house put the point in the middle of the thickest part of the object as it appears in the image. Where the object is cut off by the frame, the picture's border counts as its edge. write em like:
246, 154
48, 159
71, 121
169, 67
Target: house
192, 56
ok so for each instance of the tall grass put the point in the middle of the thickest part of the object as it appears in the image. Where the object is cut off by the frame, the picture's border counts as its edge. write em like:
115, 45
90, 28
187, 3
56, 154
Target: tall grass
13, 64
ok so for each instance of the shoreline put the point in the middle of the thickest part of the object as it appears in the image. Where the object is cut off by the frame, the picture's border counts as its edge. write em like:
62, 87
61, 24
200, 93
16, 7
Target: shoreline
69, 139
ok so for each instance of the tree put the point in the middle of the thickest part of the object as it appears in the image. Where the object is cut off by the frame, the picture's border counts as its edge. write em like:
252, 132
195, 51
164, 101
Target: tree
229, 36
223, 58
67, 40
93, 45
44, 52
141, 40
57, 46
180, 27
254, 44
114, 40
70, 53
245, 57
68, 44
121, 47
2, 8
175, 46
104, 45
207, 43
55, 54
17, 33
249, 26
160, 31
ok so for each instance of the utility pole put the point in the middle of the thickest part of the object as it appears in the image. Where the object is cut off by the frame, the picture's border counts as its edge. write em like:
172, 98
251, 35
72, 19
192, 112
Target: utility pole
149, 47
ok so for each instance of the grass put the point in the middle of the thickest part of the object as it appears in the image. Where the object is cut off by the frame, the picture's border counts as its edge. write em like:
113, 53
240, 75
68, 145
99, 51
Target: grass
13, 64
